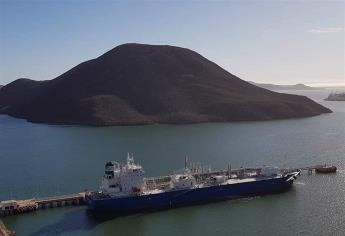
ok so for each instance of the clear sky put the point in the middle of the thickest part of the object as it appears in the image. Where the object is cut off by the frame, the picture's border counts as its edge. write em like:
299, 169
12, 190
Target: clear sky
282, 42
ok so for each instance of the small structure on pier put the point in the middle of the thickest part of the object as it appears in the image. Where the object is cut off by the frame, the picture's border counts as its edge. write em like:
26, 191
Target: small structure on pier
320, 169
8, 205
326, 169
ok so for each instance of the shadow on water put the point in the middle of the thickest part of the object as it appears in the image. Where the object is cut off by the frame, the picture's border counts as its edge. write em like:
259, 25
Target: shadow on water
77, 220
70, 221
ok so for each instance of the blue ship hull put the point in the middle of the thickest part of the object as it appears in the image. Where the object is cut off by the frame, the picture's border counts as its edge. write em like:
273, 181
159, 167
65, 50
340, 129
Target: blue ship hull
177, 198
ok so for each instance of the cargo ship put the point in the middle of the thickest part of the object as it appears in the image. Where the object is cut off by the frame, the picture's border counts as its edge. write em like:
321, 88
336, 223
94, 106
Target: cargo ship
125, 190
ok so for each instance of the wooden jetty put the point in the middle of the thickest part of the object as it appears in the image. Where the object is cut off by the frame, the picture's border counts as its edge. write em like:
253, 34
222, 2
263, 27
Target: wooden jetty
12, 207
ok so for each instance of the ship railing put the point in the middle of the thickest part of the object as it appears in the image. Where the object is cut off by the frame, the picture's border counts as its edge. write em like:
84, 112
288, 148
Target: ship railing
159, 182
202, 177
237, 173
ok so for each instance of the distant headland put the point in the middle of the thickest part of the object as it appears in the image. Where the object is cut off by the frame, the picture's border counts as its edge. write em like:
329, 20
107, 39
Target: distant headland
284, 87
136, 84
336, 97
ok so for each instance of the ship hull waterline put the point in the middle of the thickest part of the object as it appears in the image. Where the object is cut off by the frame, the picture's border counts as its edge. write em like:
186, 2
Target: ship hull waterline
186, 197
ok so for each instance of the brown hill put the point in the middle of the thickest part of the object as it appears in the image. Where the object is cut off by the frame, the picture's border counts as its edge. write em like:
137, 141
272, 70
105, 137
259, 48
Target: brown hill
144, 84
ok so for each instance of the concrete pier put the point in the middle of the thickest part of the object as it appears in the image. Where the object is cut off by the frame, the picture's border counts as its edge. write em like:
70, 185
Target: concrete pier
12, 207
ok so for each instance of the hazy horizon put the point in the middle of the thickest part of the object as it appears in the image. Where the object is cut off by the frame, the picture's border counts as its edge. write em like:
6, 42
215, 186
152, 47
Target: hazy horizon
280, 43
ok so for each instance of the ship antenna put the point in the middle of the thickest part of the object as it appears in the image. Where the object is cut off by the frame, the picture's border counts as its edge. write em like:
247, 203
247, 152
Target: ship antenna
185, 162
128, 158
229, 171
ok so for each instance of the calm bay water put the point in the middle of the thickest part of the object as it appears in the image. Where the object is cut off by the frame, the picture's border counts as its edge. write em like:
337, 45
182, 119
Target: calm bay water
43, 160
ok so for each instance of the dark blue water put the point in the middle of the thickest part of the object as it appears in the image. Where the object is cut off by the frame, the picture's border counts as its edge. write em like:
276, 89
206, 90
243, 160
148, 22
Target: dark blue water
43, 160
